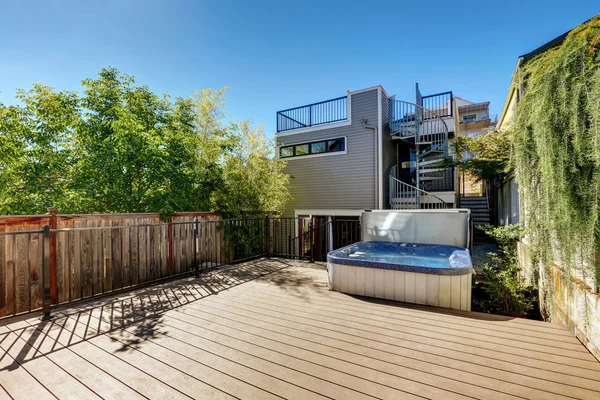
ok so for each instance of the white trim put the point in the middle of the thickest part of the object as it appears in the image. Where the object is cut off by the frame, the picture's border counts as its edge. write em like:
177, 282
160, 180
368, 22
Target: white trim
380, 151
331, 153
314, 141
346, 122
314, 128
328, 212
368, 89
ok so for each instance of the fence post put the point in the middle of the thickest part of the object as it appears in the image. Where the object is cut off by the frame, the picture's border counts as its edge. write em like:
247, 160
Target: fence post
311, 238
267, 228
170, 244
53, 287
47, 302
196, 268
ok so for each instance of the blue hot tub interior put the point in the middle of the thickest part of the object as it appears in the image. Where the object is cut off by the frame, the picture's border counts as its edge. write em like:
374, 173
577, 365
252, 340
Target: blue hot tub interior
437, 259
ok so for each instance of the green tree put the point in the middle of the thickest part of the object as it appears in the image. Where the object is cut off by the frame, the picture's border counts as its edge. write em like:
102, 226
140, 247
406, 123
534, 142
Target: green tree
119, 147
253, 179
37, 151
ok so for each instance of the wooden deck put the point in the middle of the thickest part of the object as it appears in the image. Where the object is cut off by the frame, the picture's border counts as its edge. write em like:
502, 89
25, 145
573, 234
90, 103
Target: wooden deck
271, 329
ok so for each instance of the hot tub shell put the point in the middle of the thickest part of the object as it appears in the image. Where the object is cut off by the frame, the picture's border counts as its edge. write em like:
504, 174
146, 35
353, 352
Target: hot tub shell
441, 287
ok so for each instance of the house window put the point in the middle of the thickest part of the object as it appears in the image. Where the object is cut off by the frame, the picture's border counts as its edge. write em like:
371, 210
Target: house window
286, 151
316, 148
301, 149
470, 118
323, 147
336, 144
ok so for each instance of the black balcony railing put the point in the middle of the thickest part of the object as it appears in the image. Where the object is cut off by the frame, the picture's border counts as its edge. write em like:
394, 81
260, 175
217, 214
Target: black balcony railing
324, 112
440, 103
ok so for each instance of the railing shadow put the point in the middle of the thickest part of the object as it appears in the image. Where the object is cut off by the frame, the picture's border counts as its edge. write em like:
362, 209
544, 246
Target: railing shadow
130, 319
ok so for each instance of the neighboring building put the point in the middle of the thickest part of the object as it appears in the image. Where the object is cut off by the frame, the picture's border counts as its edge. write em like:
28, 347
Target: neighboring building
367, 150
474, 119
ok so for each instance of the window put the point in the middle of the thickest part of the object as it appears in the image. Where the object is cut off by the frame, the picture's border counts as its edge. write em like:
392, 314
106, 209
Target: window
304, 149
286, 151
316, 148
336, 144
470, 118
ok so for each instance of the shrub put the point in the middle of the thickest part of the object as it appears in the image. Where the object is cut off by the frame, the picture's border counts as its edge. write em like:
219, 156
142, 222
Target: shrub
500, 289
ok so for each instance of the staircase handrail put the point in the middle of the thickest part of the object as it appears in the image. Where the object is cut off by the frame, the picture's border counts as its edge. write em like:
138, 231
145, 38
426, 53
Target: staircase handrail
417, 189
422, 108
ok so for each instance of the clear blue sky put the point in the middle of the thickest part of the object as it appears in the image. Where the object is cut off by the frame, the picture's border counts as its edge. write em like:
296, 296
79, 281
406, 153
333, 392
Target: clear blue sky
280, 54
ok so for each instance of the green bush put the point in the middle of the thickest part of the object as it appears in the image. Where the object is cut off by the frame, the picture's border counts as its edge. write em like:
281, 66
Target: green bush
500, 289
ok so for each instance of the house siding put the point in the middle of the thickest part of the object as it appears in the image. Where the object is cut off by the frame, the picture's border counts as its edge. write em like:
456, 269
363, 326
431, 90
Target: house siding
337, 181
388, 151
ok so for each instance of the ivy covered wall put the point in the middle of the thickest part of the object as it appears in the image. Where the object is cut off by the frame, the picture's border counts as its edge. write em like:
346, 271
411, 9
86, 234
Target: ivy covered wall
555, 157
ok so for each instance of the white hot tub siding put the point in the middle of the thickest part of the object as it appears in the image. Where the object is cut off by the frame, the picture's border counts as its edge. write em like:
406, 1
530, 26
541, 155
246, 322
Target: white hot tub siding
448, 291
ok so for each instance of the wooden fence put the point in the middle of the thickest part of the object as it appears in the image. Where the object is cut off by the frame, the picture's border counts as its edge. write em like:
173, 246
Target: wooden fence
97, 254
48, 260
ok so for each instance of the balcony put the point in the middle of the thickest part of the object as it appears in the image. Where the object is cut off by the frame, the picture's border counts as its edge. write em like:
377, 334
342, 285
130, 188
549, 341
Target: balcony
324, 112
492, 118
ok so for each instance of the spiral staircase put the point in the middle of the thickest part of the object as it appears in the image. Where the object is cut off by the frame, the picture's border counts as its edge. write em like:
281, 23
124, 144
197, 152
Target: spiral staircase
427, 133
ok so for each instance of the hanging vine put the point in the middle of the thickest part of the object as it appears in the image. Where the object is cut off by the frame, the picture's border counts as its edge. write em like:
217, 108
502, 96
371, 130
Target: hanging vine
556, 152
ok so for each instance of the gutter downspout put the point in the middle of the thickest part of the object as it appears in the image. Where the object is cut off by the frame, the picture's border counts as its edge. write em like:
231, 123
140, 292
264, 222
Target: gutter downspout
374, 128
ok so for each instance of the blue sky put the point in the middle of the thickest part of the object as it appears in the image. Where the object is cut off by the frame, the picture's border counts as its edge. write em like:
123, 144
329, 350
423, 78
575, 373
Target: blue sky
280, 54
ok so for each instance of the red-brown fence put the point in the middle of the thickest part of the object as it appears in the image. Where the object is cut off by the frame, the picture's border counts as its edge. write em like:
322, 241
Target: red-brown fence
95, 254
48, 260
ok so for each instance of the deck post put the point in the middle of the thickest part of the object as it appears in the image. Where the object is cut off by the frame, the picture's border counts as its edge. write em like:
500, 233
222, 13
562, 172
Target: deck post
311, 238
52, 252
196, 267
267, 228
47, 301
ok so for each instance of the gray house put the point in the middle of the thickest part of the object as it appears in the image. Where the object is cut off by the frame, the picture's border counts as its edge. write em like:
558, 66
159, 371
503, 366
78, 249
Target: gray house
367, 150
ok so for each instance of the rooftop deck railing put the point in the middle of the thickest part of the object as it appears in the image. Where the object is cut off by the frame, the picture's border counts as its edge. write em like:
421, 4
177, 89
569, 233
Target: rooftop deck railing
440, 103
324, 112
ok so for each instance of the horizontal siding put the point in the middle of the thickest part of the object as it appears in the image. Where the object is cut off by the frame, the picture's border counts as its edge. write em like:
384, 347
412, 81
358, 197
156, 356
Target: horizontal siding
340, 181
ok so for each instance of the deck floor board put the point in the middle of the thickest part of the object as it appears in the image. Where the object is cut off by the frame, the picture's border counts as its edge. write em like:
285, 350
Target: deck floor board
270, 329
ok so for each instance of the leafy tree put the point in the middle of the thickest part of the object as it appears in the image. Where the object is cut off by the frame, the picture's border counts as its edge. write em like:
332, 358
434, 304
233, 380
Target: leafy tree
119, 147
490, 154
37, 151
253, 180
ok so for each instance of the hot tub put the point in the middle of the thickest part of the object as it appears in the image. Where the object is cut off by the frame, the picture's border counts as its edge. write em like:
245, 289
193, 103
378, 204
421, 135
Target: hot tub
435, 275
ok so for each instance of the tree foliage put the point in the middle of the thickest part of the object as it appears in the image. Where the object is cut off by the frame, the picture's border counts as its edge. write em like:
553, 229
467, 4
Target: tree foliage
119, 147
484, 156
556, 151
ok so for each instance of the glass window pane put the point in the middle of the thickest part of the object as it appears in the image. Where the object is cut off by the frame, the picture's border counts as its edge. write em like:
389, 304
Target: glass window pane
317, 148
301, 149
286, 151
336, 145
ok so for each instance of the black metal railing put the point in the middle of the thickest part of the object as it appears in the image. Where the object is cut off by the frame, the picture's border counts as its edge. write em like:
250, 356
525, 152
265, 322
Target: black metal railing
323, 112
440, 103
315, 241
90, 261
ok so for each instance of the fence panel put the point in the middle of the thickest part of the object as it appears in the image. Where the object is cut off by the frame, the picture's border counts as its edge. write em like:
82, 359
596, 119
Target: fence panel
103, 254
